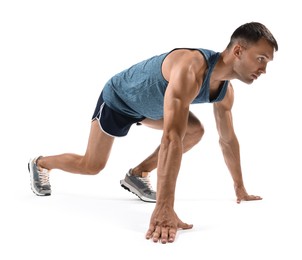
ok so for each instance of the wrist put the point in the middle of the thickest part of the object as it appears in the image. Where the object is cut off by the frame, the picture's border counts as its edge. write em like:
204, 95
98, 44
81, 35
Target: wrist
238, 185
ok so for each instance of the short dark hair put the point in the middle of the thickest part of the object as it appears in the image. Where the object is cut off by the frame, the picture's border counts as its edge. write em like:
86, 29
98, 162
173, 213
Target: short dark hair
252, 33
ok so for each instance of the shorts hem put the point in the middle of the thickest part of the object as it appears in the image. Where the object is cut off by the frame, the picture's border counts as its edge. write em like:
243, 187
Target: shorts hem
102, 129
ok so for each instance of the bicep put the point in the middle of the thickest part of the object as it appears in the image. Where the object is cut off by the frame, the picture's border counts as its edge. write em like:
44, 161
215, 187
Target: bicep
181, 90
176, 113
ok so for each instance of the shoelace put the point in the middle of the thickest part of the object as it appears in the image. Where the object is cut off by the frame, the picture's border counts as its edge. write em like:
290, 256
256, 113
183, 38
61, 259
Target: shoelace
146, 180
44, 177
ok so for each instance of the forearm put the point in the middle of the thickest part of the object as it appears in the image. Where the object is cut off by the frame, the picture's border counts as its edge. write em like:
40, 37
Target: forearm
231, 154
169, 160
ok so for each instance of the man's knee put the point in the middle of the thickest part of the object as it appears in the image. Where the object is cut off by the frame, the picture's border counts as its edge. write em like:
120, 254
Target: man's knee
198, 131
94, 169
195, 129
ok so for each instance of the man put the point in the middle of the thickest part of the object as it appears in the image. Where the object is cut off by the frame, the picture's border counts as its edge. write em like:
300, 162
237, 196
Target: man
158, 93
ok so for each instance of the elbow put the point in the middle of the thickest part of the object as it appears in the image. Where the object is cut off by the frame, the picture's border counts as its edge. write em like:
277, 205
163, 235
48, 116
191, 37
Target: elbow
171, 141
226, 142
227, 138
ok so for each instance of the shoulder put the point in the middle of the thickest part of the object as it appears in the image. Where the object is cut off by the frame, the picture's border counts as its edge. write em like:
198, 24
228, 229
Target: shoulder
186, 56
184, 60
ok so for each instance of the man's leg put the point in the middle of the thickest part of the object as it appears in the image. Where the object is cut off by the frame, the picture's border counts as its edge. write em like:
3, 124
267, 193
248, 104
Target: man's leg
94, 160
137, 179
193, 135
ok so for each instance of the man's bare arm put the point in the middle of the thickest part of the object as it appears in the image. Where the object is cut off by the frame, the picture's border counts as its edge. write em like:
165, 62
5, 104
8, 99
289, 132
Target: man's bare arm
229, 144
182, 89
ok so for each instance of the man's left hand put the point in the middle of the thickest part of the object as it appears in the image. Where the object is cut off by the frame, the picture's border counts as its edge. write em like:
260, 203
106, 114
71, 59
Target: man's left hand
242, 195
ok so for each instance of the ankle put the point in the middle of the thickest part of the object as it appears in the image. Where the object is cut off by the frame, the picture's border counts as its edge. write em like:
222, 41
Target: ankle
137, 172
37, 162
39, 166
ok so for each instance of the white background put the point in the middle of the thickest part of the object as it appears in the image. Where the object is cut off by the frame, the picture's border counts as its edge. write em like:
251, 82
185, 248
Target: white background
55, 57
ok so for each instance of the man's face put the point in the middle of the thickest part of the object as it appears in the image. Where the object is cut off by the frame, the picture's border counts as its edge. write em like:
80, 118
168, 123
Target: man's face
252, 60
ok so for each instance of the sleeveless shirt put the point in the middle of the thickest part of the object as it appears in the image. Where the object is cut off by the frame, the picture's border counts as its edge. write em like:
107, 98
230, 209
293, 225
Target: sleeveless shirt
139, 90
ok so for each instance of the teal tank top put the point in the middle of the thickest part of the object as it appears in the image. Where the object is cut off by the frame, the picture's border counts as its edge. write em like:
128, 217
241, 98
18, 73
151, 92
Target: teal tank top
139, 90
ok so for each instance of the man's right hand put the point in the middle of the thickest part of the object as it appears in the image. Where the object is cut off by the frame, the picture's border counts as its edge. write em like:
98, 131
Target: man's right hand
164, 224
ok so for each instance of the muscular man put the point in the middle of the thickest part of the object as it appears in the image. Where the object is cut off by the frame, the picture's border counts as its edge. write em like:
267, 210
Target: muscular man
158, 93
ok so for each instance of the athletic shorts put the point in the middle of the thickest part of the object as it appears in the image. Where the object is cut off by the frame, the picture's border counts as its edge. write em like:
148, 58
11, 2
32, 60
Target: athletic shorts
112, 122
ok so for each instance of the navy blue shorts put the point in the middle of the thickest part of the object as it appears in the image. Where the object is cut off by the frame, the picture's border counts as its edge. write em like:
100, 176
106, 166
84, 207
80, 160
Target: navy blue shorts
112, 122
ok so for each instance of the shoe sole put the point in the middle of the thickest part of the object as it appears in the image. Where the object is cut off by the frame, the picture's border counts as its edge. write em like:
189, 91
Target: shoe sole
129, 188
30, 169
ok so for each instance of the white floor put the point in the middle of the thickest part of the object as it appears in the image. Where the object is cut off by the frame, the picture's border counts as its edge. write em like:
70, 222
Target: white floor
93, 217
55, 58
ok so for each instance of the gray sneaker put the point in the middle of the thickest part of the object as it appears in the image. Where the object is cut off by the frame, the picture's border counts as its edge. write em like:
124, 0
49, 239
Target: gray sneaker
140, 186
39, 179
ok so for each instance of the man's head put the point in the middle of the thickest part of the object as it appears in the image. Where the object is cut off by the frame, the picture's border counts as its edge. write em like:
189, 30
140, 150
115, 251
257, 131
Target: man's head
251, 33
251, 47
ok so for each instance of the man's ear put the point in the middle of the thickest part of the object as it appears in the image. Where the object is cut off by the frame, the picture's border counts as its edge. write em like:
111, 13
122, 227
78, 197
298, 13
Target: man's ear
237, 50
